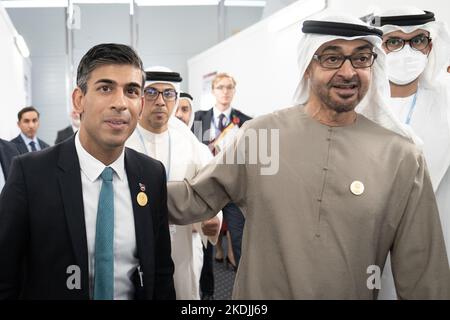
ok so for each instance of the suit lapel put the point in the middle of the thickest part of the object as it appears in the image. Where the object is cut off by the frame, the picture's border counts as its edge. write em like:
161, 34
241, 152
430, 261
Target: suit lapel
72, 196
3, 161
206, 125
21, 146
143, 221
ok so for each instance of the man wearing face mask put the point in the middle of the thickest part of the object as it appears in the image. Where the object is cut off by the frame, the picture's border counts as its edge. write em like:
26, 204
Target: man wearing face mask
417, 48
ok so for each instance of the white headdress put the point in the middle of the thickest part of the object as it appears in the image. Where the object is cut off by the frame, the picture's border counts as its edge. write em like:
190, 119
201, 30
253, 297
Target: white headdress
160, 74
374, 104
409, 19
188, 97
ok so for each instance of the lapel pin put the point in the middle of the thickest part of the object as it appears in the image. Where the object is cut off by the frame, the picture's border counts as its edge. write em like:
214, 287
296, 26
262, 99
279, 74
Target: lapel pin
142, 199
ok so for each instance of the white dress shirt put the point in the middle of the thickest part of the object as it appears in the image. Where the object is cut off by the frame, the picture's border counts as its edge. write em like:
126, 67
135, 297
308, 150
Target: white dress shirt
214, 132
125, 251
28, 140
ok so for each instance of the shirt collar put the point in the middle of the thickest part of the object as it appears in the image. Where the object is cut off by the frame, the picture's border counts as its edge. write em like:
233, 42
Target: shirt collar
28, 140
217, 112
93, 167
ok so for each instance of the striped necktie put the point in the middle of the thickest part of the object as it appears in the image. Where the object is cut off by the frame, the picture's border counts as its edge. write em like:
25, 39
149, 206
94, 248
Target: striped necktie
33, 146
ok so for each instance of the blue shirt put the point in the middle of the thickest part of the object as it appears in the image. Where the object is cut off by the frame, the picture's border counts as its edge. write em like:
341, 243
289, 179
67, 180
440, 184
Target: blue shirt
28, 140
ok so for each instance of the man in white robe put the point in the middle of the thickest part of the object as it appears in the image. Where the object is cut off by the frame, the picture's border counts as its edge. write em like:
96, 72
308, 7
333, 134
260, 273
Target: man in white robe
349, 186
159, 134
417, 48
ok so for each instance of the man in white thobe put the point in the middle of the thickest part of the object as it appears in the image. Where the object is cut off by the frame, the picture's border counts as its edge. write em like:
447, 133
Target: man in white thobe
417, 48
159, 134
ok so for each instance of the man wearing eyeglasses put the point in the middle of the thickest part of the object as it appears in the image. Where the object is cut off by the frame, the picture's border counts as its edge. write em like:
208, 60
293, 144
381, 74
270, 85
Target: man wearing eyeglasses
160, 135
351, 185
216, 128
417, 48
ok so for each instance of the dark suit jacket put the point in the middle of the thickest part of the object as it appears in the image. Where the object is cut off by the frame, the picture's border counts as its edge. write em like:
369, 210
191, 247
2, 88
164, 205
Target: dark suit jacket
22, 147
7, 152
205, 118
64, 134
42, 226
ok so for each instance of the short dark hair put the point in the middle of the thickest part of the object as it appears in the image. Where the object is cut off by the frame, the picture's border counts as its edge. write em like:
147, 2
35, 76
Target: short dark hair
25, 110
106, 54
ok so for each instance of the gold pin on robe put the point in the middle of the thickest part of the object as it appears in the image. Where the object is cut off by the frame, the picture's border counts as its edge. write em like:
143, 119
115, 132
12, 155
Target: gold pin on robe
357, 188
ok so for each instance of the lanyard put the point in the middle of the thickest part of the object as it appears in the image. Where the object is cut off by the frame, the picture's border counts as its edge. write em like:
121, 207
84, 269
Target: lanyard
170, 151
411, 109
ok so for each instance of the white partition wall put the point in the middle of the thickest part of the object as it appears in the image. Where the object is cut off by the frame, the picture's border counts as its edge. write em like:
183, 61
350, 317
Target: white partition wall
14, 78
360, 8
263, 58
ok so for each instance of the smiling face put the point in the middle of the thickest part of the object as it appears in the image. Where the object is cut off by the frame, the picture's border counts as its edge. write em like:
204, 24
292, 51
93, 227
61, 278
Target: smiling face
339, 89
109, 109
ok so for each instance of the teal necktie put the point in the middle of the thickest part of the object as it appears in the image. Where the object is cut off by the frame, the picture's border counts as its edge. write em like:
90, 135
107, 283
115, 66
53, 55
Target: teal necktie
104, 240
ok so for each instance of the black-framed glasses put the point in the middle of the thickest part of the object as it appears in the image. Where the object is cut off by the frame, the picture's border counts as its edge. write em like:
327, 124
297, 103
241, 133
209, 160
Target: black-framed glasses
151, 94
418, 43
335, 61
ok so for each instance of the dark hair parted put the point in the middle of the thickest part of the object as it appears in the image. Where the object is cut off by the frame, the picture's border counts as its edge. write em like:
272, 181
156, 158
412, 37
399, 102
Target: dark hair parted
106, 54
25, 110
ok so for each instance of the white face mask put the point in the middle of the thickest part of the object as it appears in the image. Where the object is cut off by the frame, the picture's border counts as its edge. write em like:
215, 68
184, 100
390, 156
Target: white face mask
406, 65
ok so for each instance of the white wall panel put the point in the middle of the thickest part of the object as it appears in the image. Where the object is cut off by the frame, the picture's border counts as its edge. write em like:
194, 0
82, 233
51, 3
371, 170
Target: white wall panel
49, 95
263, 58
12, 78
177, 34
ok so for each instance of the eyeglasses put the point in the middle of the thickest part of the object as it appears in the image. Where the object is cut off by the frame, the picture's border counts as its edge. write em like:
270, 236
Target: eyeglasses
335, 61
221, 88
151, 94
418, 43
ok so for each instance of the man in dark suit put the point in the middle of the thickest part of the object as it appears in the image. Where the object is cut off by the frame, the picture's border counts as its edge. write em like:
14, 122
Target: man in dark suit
68, 131
7, 152
28, 122
64, 134
215, 128
87, 218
